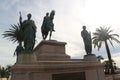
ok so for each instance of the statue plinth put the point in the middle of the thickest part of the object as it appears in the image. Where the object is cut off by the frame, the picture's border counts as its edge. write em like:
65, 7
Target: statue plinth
90, 57
51, 50
26, 58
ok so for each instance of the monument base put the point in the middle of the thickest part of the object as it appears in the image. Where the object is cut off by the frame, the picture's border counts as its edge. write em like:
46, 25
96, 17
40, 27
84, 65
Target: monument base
32, 67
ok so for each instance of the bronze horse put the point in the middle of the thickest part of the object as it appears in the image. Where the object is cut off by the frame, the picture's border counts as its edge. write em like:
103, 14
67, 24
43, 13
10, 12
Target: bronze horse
48, 25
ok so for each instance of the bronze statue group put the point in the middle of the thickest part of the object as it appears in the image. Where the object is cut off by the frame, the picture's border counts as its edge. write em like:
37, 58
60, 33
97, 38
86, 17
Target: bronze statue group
28, 30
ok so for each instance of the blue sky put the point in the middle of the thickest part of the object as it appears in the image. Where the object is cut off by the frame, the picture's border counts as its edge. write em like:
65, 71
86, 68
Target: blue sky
70, 16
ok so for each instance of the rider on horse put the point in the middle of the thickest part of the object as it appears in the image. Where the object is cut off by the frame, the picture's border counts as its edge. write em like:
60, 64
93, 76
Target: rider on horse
47, 25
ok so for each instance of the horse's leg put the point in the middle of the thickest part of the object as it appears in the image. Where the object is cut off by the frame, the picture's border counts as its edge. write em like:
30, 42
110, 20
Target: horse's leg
46, 35
42, 35
50, 34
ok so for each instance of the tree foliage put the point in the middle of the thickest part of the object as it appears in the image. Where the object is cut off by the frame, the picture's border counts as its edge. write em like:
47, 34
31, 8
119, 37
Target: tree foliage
103, 34
5, 71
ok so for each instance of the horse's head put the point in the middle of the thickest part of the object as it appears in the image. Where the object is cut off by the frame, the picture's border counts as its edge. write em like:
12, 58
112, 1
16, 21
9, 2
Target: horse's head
52, 14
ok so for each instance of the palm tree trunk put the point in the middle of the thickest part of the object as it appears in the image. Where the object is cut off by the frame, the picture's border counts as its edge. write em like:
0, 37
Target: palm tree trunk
109, 56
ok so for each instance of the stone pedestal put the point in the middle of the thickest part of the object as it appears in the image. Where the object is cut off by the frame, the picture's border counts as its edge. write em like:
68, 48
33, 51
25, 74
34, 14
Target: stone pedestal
26, 58
51, 63
90, 57
51, 50
96, 73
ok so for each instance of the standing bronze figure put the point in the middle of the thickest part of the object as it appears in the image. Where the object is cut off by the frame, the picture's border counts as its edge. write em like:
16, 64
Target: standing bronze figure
87, 40
29, 33
47, 25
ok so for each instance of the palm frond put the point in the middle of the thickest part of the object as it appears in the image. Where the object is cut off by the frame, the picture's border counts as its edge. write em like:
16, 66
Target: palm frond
111, 43
14, 33
116, 40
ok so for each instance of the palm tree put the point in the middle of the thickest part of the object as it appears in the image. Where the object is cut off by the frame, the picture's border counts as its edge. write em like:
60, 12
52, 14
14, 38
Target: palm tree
103, 34
15, 34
